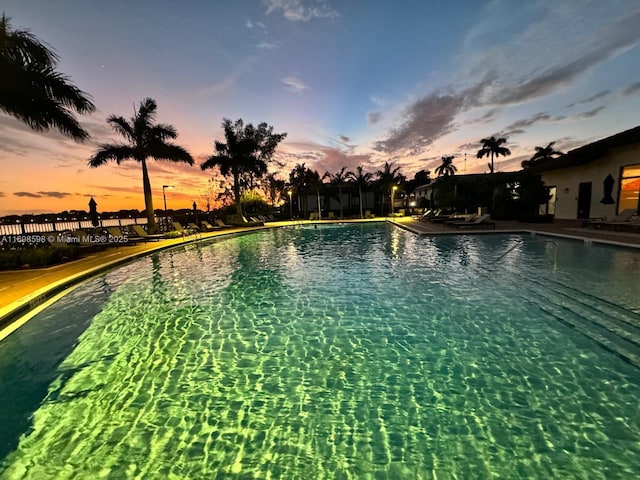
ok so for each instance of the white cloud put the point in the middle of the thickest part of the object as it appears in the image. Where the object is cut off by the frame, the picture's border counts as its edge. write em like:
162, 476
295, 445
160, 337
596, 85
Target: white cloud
294, 84
297, 11
267, 45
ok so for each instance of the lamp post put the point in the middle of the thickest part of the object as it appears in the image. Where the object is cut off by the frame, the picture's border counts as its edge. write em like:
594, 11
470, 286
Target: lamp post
290, 205
164, 197
393, 191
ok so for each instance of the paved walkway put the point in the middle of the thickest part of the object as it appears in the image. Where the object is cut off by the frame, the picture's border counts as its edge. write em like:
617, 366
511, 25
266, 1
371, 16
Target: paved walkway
23, 290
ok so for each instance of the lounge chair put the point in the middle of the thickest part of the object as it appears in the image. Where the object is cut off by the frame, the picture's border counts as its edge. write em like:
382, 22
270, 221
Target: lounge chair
619, 220
461, 219
142, 233
207, 227
476, 221
192, 226
120, 237
252, 222
88, 240
177, 226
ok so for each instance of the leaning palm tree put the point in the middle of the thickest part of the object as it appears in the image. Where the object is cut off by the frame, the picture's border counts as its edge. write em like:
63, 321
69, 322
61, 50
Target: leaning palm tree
447, 168
31, 89
493, 147
362, 180
338, 179
542, 154
145, 139
245, 155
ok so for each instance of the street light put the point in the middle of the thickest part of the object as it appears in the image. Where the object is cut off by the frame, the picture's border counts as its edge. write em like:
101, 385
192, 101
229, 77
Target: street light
393, 191
164, 197
290, 205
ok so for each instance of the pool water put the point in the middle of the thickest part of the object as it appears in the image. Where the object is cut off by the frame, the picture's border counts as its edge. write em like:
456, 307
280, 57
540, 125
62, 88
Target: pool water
355, 351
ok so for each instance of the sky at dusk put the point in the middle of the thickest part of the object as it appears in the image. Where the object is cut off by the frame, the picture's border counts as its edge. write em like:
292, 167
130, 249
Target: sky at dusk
352, 82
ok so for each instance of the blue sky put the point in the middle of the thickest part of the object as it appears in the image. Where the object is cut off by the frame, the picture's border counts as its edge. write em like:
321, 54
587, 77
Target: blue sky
351, 82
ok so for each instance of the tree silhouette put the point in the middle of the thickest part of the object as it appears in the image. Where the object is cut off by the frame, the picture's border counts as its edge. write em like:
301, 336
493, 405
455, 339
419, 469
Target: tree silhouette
245, 154
542, 154
31, 89
338, 180
387, 177
447, 168
302, 178
493, 147
146, 139
362, 179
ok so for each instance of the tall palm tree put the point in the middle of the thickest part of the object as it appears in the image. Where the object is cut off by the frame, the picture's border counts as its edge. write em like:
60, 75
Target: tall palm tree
447, 167
31, 89
542, 154
145, 139
245, 155
386, 179
302, 178
338, 179
493, 147
362, 179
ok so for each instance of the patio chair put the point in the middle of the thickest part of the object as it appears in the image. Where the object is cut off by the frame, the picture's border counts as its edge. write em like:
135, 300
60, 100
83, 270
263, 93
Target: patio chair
460, 220
142, 233
177, 226
623, 217
118, 235
477, 221
207, 227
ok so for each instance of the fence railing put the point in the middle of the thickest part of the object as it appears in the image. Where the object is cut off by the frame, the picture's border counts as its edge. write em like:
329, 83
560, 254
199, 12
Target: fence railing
61, 225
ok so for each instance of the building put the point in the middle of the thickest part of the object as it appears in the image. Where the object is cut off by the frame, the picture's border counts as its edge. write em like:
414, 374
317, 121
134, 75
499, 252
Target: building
598, 180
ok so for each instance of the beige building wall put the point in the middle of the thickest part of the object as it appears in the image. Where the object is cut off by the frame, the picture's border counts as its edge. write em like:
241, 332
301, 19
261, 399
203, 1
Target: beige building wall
567, 181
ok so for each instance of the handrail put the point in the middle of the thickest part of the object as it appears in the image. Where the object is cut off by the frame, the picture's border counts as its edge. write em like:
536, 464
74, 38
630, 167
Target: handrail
513, 247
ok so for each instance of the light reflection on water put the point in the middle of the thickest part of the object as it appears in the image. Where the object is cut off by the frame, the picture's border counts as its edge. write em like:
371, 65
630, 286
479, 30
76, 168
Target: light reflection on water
344, 352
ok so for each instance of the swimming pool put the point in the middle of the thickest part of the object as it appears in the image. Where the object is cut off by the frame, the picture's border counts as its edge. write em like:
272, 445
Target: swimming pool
357, 351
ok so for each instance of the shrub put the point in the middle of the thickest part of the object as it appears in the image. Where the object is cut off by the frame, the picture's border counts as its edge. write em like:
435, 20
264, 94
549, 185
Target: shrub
37, 257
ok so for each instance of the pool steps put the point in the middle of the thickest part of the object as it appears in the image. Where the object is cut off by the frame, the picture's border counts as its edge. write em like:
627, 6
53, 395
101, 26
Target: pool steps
613, 327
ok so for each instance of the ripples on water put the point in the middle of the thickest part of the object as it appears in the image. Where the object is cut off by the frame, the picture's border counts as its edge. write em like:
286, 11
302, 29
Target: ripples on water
355, 351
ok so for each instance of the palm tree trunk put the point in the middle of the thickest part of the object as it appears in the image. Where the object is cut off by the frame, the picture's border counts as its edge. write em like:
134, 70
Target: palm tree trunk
148, 198
360, 192
319, 209
236, 194
492, 167
340, 200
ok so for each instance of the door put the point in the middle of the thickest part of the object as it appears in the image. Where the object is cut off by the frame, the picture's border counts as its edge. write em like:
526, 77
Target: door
584, 200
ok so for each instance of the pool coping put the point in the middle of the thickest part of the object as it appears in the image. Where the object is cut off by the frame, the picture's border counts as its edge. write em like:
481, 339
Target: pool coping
585, 239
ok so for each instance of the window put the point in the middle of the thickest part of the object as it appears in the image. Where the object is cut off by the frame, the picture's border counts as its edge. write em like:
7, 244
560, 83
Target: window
629, 187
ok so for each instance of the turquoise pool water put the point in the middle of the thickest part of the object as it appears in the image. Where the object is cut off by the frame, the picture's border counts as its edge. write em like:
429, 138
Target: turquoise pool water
357, 351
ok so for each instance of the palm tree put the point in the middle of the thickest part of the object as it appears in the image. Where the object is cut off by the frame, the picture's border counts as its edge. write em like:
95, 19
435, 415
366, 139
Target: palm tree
362, 180
32, 91
302, 178
542, 154
145, 139
245, 155
338, 179
493, 147
447, 168
386, 179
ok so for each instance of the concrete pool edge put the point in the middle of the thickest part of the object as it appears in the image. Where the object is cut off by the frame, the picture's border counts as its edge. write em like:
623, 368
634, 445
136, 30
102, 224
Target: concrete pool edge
510, 230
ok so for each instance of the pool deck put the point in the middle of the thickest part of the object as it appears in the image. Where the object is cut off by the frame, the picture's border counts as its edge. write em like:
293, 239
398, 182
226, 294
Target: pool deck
22, 291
